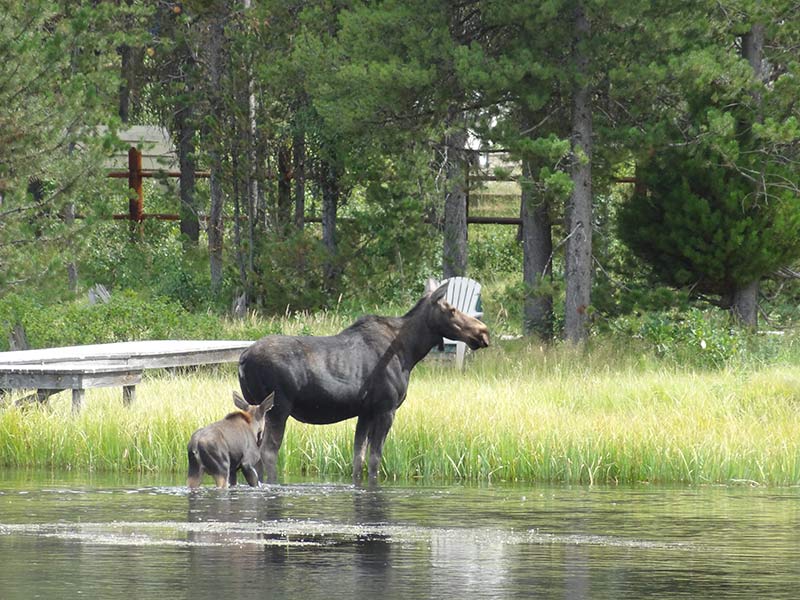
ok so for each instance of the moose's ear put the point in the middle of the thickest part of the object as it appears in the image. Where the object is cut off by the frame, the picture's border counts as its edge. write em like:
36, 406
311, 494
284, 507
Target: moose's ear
430, 285
240, 402
439, 293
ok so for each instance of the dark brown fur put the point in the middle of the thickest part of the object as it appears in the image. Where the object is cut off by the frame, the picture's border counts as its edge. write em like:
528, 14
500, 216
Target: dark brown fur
229, 445
361, 372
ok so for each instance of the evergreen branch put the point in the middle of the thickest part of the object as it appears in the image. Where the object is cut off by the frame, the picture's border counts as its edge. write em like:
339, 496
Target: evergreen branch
788, 273
540, 123
27, 280
19, 209
548, 264
38, 77
614, 282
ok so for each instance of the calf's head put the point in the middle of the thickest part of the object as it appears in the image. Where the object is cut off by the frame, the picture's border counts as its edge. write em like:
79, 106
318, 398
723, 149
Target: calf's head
255, 412
446, 320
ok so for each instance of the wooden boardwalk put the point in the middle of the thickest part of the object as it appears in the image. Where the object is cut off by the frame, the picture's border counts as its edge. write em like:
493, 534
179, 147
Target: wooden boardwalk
78, 368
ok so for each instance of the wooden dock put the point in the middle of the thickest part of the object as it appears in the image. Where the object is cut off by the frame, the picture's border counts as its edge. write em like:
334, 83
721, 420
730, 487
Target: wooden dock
77, 368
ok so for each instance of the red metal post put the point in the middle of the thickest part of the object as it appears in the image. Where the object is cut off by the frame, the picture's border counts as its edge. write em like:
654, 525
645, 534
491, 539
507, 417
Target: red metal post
136, 203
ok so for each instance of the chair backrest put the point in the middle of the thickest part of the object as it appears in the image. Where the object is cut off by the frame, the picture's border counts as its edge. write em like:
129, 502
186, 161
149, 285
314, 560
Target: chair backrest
465, 294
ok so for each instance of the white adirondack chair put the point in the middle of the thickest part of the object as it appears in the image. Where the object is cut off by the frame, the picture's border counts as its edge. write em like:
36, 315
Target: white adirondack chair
465, 294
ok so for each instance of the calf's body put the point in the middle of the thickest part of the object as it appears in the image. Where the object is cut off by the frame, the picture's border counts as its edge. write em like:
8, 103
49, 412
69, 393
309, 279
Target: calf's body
225, 447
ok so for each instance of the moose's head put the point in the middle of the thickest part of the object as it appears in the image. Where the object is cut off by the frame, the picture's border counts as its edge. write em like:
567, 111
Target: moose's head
255, 413
449, 322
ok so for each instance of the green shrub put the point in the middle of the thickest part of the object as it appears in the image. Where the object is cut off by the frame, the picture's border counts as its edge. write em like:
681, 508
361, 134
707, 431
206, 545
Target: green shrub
702, 339
127, 316
158, 264
494, 250
289, 274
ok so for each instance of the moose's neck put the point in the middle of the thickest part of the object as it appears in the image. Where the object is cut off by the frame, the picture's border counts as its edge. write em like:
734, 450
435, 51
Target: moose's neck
417, 338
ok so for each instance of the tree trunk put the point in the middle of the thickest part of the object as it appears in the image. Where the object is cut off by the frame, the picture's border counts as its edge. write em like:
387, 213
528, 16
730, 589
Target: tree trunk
537, 250
745, 304
124, 110
215, 229
578, 262
241, 198
299, 166
72, 267
454, 252
284, 188
129, 61
330, 206
745, 297
190, 223
252, 167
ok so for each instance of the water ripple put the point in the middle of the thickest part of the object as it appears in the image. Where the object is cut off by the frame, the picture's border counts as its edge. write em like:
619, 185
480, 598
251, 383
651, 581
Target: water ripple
306, 533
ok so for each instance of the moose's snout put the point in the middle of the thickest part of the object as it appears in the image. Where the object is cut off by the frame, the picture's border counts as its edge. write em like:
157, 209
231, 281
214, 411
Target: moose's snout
479, 339
484, 339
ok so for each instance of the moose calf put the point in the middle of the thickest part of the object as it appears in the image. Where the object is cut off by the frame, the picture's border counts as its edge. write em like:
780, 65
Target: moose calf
224, 447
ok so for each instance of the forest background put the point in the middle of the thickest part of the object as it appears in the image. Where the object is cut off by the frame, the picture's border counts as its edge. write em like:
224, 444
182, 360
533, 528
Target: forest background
650, 151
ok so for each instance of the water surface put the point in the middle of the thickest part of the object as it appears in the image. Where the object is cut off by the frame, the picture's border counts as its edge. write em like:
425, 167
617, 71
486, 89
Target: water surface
118, 538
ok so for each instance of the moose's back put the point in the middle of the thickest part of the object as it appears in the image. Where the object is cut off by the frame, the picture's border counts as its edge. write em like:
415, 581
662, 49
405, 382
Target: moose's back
324, 379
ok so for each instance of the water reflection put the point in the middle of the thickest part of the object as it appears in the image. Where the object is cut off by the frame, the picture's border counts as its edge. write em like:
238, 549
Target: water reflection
313, 540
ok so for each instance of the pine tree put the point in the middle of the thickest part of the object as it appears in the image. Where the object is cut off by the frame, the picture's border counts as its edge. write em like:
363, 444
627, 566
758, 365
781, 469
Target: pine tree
57, 101
716, 209
699, 225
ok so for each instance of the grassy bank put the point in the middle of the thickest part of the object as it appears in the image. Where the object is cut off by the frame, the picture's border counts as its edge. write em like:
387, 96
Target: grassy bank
526, 414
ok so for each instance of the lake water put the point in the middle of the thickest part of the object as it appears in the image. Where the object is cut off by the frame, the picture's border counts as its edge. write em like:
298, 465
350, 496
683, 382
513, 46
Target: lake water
112, 538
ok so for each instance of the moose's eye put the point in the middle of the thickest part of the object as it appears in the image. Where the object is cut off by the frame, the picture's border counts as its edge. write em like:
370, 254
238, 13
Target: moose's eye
452, 310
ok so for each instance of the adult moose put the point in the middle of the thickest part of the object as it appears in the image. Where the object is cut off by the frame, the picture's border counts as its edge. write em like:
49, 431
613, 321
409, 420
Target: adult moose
361, 372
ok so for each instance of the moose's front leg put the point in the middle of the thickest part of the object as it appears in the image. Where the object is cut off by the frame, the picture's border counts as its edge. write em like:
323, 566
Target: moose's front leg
380, 426
271, 444
360, 447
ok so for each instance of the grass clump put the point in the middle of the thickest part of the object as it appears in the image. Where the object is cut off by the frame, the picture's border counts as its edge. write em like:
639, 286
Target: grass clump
518, 413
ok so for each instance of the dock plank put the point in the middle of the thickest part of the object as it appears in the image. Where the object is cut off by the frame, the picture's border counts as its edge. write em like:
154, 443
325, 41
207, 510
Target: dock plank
78, 368
144, 351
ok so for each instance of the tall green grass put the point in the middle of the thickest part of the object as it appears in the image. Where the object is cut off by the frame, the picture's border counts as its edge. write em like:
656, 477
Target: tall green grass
519, 414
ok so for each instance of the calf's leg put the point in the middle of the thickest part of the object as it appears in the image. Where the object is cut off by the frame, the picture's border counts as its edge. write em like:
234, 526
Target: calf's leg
215, 462
250, 475
195, 470
232, 476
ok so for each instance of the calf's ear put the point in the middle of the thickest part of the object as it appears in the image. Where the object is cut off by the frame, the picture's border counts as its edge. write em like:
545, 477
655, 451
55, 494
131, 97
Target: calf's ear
265, 406
268, 402
240, 402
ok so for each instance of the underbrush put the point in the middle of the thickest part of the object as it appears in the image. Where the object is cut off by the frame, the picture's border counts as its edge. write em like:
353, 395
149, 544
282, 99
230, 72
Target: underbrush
700, 339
